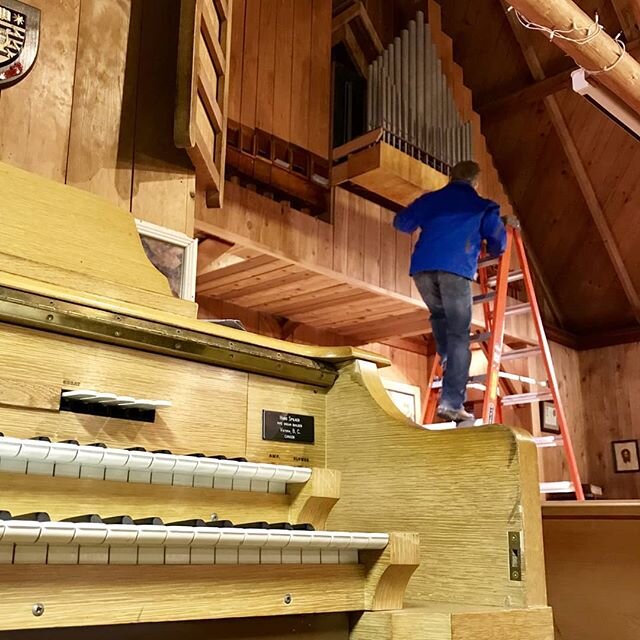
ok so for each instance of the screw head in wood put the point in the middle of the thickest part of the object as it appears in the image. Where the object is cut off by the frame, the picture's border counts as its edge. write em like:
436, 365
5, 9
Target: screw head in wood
37, 609
288, 599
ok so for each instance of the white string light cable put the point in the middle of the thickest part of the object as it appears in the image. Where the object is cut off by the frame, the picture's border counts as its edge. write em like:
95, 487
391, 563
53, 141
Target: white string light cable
592, 32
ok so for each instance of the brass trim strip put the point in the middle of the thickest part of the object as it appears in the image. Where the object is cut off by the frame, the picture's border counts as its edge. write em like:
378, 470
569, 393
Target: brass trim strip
26, 309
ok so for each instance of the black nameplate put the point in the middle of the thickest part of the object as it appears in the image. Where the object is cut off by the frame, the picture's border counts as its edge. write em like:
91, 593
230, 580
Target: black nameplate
288, 427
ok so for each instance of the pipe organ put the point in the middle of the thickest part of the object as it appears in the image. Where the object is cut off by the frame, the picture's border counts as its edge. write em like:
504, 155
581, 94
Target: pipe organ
418, 117
159, 469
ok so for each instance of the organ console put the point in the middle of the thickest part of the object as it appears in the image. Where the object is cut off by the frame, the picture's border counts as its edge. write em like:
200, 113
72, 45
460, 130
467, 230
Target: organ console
159, 469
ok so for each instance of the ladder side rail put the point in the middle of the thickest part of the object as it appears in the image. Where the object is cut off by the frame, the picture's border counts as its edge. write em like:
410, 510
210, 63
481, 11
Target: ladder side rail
496, 343
549, 368
432, 394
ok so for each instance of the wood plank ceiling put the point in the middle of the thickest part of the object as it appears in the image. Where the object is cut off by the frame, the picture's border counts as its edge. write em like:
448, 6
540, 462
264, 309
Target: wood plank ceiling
572, 174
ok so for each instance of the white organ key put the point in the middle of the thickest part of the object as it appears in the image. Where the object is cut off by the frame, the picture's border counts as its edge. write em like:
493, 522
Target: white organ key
231, 537
20, 531
11, 465
255, 538
277, 487
30, 554
123, 555
115, 458
319, 539
88, 533
162, 477
116, 475
67, 470
300, 475
147, 404
259, 486
10, 447
265, 472
58, 533
270, 556
93, 555
61, 452
248, 556
6, 553
329, 556
180, 536
340, 540
87, 455
226, 555
205, 482
183, 480
92, 473
150, 555
151, 535
37, 468
241, 484
185, 465
140, 477
349, 556
203, 555
162, 462
311, 556
34, 450
121, 535
223, 483
291, 556
139, 460
206, 537
177, 555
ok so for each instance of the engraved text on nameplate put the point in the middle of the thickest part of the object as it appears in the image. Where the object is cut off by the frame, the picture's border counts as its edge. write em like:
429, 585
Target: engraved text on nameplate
288, 427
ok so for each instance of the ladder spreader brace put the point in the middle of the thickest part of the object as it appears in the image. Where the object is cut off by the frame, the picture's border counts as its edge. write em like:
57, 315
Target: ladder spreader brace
495, 290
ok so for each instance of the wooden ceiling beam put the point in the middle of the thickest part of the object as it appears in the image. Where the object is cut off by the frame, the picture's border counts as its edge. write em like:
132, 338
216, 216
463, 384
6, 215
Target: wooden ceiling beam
599, 53
579, 169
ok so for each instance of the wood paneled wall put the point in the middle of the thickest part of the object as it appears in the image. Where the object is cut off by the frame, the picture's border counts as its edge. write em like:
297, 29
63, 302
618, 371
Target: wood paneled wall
611, 402
281, 70
97, 110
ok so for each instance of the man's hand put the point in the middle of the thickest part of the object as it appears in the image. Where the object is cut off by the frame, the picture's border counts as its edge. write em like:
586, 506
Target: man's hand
511, 221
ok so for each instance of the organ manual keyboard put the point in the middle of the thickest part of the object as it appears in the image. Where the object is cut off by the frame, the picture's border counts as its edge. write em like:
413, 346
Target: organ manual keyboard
159, 469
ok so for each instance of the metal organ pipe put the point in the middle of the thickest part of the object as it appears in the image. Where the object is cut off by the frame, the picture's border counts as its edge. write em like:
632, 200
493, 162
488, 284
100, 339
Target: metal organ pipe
410, 99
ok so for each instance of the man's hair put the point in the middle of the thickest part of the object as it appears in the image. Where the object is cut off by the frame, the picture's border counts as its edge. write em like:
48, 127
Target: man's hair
467, 171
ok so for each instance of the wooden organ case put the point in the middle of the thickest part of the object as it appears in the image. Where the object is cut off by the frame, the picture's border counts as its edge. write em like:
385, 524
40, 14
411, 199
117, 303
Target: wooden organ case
159, 469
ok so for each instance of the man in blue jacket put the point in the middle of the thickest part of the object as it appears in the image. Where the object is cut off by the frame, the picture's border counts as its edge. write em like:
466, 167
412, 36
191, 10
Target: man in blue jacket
453, 223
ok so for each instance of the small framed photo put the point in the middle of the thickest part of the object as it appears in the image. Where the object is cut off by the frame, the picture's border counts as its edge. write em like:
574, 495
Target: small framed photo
172, 253
549, 418
406, 397
625, 456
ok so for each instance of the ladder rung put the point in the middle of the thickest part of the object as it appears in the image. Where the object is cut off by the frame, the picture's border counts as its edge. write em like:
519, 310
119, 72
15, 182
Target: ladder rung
480, 337
449, 426
517, 309
514, 276
544, 442
510, 376
472, 384
526, 398
484, 297
488, 262
521, 354
557, 487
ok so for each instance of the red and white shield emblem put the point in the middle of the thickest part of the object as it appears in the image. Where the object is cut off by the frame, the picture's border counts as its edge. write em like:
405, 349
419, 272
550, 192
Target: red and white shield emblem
19, 39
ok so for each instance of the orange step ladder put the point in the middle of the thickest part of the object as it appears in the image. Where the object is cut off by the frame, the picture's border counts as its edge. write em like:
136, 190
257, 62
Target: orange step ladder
497, 384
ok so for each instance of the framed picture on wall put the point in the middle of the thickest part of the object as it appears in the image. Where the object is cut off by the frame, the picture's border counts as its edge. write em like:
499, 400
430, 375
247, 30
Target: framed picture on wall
174, 254
406, 397
625, 456
549, 418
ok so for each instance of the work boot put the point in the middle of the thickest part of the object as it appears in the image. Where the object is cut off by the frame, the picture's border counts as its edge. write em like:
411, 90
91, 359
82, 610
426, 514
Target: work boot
454, 415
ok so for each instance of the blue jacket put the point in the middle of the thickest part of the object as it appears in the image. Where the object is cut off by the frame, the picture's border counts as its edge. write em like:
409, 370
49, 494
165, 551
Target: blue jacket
453, 222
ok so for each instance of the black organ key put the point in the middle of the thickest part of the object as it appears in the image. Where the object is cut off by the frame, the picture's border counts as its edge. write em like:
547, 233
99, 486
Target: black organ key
5, 515
196, 455
304, 527
41, 438
100, 445
118, 520
252, 525
93, 518
195, 522
135, 449
220, 524
238, 459
70, 442
281, 525
1, 434
38, 516
217, 457
165, 451
154, 521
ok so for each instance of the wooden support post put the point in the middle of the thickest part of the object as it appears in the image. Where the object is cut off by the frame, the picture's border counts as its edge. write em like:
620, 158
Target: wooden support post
313, 501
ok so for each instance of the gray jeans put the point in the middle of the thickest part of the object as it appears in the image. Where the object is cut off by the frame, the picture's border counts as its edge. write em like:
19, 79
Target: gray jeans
448, 297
